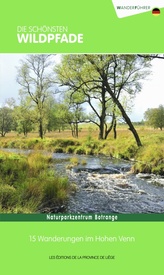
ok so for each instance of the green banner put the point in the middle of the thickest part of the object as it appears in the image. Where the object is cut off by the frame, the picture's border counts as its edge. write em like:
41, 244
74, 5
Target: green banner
71, 27
64, 217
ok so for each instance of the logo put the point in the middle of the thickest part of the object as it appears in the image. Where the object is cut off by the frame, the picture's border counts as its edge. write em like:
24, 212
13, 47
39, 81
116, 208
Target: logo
125, 8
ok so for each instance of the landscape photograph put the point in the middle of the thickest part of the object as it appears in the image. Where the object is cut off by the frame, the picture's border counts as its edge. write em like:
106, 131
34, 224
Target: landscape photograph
81, 133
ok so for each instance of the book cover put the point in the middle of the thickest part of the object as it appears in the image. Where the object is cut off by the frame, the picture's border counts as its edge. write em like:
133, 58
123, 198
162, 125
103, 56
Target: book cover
81, 137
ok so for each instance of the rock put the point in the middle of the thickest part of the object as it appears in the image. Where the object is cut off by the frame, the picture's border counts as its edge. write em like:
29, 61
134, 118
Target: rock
119, 176
85, 185
158, 182
142, 192
143, 176
124, 185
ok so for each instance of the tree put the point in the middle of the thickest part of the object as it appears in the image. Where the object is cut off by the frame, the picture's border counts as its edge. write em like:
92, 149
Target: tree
76, 117
54, 115
102, 79
24, 117
155, 117
35, 78
68, 115
77, 74
152, 56
5, 120
75, 111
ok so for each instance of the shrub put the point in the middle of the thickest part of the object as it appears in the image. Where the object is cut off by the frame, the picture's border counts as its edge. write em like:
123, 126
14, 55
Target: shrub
55, 191
70, 149
159, 169
29, 183
150, 159
80, 150
31, 143
8, 196
83, 162
64, 143
73, 188
74, 161
58, 150
31, 190
37, 162
13, 168
89, 151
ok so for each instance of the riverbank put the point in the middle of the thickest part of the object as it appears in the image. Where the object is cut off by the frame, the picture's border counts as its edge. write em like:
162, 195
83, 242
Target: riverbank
29, 184
147, 159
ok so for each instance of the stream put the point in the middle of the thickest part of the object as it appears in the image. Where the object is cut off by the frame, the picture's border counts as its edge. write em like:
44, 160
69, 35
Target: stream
106, 185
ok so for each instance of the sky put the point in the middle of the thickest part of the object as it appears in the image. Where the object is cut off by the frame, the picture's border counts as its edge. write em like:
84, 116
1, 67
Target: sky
151, 96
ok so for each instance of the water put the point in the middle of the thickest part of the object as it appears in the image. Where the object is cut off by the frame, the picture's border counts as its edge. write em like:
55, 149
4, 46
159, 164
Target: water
105, 185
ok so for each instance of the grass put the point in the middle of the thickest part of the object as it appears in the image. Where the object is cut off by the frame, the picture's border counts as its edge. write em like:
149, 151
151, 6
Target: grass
28, 184
148, 158
74, 160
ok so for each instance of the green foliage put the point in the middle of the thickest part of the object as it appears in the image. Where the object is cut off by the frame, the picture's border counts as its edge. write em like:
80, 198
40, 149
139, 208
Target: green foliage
80, 150
27, 183
24, 117
33, 76
6, 120
64, 142
7, 196
70, 149
127, 151
149, 159
58, 150
13, 168
107, 83
54, 191
74, 160
37, 162
31, 190
83, 162
155, 117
